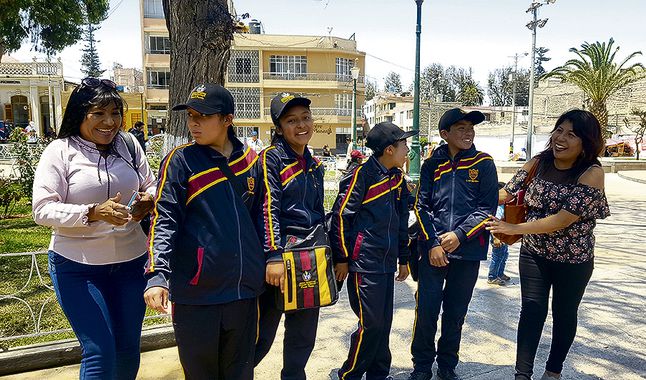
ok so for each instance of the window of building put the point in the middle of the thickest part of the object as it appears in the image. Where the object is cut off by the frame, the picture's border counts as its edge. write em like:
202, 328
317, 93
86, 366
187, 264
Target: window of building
158, 45
288, 66
243, 66
392, 105
153, 9
343, 104
158, 79
409, 114
343, 66
247, 101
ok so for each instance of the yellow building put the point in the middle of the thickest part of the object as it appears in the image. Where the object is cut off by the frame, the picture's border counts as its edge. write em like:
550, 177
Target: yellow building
261, 66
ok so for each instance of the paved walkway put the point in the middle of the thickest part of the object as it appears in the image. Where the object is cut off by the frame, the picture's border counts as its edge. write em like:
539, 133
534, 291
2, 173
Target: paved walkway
610, 342
634, 175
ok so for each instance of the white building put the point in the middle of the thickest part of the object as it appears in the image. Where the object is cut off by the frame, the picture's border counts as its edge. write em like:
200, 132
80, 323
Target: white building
31, 91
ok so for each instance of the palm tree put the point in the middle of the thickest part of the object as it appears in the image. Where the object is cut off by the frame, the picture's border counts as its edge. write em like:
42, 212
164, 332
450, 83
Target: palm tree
471, 94
598, 75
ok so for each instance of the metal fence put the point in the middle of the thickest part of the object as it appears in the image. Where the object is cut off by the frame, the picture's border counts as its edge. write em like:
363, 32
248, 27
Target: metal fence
26, 283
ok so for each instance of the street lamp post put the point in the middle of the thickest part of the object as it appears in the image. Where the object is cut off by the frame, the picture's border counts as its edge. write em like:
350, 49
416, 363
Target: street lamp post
532, 25
513, 103
355, 75
415, 155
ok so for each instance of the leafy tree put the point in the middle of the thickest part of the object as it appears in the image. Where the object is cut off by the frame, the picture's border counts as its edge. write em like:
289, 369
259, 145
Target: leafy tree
468, 91
471, 94
90, 64
540, 58
596, 72
500, 87
393, 83
49, 25
435, 81
639, 130
371, 89
200, 37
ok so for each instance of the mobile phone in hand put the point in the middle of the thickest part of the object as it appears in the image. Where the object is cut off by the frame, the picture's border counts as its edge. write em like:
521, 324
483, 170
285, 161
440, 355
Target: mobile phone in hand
133, 198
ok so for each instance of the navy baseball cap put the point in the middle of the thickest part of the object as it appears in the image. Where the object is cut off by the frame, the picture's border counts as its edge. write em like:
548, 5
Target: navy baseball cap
384, 134
456, 115
209, 99
284, 101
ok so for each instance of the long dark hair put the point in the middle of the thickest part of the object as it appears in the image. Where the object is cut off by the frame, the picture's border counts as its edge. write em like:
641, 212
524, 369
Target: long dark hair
585, 126
82, 99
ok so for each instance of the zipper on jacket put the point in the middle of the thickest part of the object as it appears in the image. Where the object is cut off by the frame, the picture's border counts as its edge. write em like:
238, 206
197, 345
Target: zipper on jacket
235, 207
309, 217
390, 219
452, 196
288, 264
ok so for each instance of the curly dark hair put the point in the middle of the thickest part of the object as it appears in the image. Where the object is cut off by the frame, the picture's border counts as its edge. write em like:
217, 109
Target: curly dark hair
585, 126
82, 99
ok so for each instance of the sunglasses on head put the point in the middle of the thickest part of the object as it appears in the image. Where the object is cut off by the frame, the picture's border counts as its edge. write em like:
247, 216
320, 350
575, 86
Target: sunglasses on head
95, 82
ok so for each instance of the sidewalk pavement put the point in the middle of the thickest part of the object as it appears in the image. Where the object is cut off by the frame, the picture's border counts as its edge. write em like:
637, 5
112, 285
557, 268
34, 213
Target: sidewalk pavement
634, 175
610, 342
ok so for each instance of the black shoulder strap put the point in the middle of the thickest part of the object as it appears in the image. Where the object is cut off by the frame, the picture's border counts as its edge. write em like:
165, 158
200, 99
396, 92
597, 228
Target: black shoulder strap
129, 139
238, 187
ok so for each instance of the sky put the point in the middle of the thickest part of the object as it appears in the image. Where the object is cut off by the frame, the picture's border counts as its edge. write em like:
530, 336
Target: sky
483, 35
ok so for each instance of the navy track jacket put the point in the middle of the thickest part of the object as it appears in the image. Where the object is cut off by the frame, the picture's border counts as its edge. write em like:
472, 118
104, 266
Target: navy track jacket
202, 243
289, 194
457, 195
369, 226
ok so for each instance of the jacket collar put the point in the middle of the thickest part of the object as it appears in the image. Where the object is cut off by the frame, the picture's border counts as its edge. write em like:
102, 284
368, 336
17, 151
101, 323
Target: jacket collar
381, 168
287, 152
442, 153
238, 147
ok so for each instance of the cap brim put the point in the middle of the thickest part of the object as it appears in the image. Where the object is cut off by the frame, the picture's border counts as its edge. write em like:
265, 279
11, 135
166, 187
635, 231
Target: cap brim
408, 134
297, 101
475, 117
201, 108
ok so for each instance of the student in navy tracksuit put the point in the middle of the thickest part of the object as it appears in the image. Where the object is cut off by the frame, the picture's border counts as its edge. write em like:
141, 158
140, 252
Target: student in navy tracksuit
369, 235
458, 190
290, 193
203, 251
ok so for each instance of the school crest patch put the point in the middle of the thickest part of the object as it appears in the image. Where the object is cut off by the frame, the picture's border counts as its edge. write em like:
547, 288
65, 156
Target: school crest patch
473, 175
251, 183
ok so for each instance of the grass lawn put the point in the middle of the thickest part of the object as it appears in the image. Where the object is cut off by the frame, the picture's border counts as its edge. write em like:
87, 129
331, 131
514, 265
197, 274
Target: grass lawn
19, 233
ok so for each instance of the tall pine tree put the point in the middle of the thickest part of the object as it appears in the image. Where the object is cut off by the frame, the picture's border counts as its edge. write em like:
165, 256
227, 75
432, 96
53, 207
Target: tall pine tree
90, 64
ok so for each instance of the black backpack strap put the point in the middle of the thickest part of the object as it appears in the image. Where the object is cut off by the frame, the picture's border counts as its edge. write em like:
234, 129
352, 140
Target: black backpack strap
129, 139
238, 187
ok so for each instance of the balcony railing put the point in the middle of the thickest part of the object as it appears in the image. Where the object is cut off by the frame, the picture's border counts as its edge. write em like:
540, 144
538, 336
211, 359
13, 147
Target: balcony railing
326, 112
31, 69
332, 77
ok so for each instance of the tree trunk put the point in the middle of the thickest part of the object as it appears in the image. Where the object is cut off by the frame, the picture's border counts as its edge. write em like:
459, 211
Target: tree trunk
200, 33
599, 110
3, 50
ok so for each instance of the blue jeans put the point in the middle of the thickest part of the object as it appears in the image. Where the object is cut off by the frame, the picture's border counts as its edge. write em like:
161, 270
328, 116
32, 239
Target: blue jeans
498, 261
105, 307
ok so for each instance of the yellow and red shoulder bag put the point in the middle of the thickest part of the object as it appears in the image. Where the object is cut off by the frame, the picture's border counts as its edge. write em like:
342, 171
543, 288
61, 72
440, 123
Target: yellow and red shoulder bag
309, 273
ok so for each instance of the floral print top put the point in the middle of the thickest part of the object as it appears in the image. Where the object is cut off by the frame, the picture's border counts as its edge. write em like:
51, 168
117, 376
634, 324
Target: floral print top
550, 191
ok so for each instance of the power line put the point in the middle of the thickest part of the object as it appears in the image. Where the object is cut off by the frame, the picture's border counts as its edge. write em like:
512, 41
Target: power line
391, 63
113, 9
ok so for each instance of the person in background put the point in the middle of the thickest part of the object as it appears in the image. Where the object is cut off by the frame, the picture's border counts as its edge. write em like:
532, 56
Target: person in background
522, 156
138, 132
326, 151
356, 159
457, 193
97, 251
564, 199
204, 256
290, 198
499, 253
255, 143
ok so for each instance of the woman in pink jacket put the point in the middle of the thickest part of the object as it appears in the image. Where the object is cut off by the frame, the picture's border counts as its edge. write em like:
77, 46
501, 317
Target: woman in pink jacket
82, 185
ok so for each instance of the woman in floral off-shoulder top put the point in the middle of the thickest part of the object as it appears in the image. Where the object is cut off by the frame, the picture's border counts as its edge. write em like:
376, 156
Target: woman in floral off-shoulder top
564, 199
